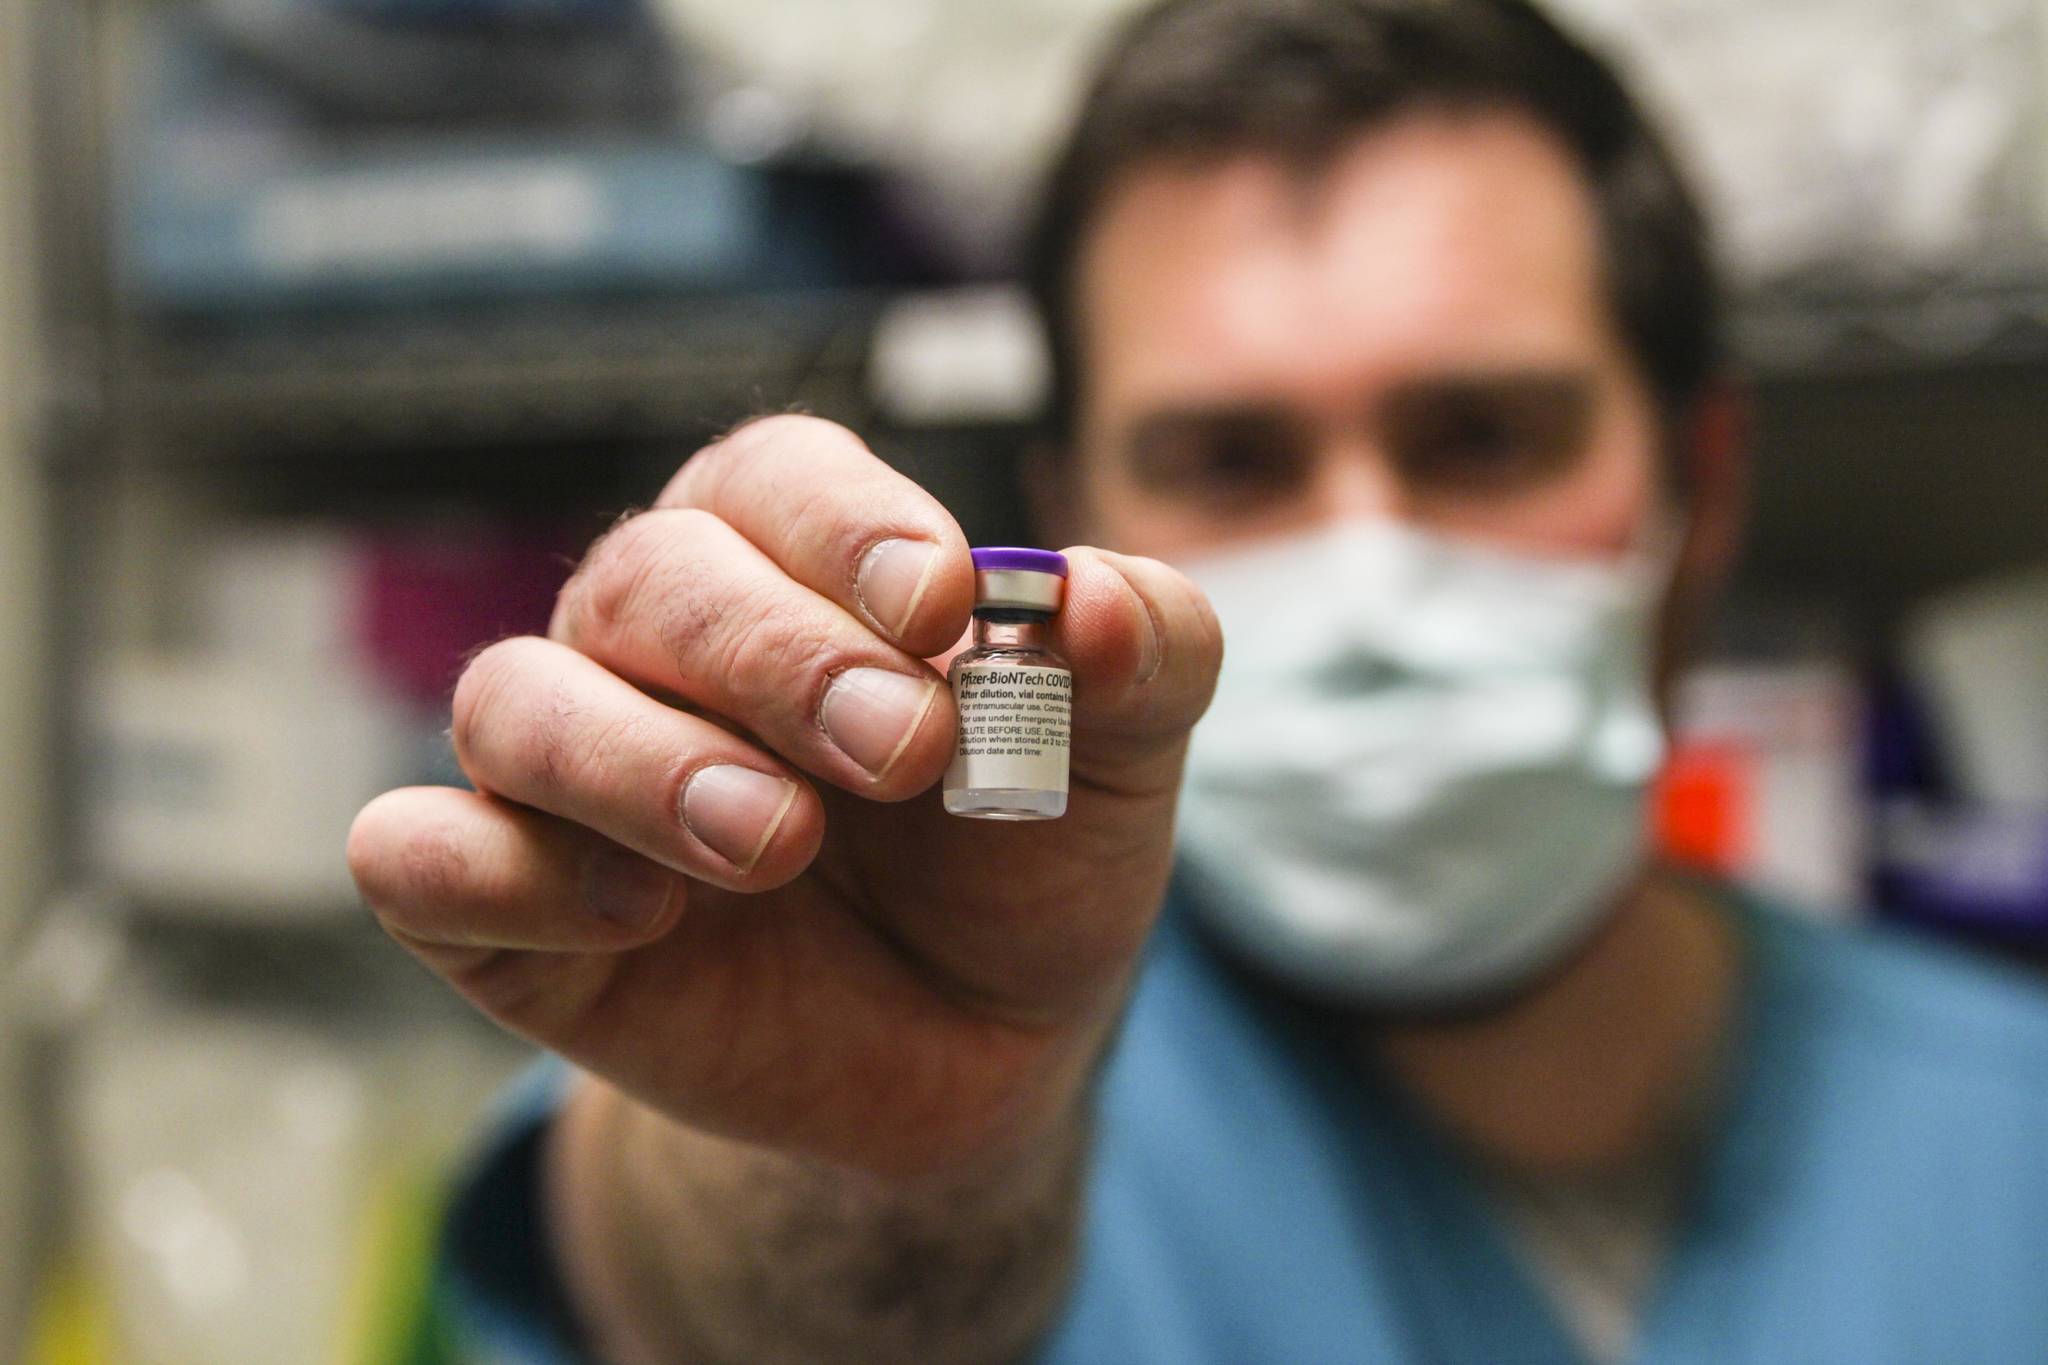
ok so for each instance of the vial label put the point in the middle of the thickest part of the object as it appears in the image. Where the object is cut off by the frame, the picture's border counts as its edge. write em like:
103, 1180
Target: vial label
1013, 727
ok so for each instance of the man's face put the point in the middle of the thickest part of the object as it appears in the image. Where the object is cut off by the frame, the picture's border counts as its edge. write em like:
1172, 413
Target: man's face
1417, 330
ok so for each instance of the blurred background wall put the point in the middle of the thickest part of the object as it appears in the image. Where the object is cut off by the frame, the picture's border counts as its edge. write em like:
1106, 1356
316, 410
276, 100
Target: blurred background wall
331, 330
21, 528
23, 866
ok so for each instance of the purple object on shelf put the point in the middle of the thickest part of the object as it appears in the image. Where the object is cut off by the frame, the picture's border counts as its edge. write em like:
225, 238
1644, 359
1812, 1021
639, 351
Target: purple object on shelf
432, 593
1017, 557
1954, 865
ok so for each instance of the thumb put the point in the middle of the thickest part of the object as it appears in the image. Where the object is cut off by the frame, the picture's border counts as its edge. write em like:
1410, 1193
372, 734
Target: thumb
1145, 648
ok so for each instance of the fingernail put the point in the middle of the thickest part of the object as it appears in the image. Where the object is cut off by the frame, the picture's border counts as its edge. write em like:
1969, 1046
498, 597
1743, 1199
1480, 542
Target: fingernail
625, 888
871, 713
892, 579
736, 810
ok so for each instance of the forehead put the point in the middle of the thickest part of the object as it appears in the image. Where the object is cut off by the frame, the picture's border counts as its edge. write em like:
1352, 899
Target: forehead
1435, 241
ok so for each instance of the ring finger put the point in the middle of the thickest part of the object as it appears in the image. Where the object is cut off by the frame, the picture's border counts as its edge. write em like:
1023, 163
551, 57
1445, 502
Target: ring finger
538, 723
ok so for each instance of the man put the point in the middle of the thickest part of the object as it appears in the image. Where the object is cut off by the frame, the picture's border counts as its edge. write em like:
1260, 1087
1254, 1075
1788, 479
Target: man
1391, 324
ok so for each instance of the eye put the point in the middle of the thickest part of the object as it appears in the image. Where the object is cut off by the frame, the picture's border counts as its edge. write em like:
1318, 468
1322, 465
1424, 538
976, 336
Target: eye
1219, 456
1485, 435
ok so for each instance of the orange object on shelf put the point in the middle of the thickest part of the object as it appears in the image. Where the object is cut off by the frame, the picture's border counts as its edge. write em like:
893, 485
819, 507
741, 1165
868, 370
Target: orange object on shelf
1701, 808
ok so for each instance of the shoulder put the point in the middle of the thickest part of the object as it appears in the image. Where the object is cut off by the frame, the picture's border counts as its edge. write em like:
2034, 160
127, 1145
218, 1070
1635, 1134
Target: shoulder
1233, 1157
1905, 1001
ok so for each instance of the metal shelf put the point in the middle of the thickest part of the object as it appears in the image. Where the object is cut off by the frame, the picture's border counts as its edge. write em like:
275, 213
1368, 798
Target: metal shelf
551, 374
1843, 321
529, 376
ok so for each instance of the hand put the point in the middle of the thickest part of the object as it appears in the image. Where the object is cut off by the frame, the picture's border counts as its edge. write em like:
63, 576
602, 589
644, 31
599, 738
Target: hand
706, 859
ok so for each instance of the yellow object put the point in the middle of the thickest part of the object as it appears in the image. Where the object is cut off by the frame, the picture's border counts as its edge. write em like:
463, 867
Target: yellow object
394, 1261
73, 1321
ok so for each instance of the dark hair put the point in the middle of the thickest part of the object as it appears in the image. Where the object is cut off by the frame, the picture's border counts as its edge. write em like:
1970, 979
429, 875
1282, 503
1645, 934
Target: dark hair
1300, 78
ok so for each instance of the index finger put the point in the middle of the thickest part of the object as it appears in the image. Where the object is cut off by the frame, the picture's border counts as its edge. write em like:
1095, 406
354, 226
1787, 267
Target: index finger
812, 497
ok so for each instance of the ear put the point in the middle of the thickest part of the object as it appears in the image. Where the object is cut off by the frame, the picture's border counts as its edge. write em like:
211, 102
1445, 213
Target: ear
1713, 457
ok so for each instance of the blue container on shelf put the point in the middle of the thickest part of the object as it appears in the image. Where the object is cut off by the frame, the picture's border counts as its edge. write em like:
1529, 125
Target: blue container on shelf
233, 198
511, 64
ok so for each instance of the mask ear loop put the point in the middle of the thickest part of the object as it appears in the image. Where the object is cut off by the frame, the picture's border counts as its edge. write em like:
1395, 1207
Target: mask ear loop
1631, 744
1653, 553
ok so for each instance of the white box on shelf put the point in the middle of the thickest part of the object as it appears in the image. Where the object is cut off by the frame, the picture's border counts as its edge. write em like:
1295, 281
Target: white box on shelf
1979, 658
285, 591
228, 788
1766, 774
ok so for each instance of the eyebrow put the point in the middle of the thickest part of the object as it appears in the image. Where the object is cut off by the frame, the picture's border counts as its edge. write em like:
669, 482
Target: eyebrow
1550, 413
1194, 419
1558, 386
1158, 445
1545, 386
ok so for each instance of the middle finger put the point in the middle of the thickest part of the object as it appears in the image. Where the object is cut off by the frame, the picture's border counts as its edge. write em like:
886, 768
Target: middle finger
677, 601
542, 725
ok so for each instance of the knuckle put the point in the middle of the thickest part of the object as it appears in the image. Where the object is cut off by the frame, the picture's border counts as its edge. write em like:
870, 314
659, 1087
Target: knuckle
820, 514
548, 748
617, 571
689, 600
792, 431
599, 761
757, 448
521, 722
766, 656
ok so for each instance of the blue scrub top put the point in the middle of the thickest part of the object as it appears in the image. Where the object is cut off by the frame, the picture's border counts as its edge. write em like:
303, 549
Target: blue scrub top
1876, 1190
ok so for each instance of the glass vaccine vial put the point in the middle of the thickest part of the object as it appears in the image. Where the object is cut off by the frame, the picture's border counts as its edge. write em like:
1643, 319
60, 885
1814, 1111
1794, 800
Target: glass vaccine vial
1013, 693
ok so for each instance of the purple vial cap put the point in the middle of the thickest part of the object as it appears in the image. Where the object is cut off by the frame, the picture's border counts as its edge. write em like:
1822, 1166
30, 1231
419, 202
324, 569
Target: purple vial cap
1016, 557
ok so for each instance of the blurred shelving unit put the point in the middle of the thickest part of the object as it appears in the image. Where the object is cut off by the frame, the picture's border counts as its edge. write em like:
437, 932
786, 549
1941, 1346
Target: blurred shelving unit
547, 376
1899, 480
154, 430
1897, 430
1830, 323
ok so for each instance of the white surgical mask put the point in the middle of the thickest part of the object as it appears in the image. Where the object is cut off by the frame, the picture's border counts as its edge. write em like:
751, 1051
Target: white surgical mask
1422, 777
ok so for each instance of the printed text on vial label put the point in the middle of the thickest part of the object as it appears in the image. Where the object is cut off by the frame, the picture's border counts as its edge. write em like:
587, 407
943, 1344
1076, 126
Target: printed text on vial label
1013, 726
